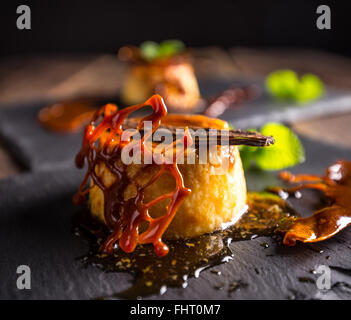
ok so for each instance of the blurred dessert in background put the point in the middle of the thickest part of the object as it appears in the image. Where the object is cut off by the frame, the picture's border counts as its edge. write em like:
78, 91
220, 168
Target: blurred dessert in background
165, 69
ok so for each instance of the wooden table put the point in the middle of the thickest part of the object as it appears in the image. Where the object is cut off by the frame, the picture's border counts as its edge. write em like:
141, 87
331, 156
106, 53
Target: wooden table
65, 76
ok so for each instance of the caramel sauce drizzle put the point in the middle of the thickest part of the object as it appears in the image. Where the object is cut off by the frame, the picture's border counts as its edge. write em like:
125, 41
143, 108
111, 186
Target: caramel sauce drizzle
324, 223
66, 116
122, 216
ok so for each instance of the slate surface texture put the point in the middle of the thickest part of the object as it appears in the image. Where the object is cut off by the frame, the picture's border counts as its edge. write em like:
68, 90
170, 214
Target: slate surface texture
36, 230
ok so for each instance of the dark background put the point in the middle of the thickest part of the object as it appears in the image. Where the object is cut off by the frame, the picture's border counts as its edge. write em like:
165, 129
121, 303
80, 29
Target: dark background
104, 26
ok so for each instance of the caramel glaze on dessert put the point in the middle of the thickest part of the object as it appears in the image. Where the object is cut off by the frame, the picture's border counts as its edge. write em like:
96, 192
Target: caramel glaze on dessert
67, 117
324, 223
103, 143
267, 213
125, 216
186, 258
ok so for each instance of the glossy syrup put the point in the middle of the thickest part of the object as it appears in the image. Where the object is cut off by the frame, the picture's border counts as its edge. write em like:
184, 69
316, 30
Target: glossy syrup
268, 215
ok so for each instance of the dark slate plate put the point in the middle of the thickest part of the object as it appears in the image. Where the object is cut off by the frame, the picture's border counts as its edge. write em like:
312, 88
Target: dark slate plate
253, 114
35, 147
39, 149
36, 230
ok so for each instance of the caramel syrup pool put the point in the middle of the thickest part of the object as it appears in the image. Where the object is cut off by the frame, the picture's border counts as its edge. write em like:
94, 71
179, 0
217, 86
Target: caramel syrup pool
267, 215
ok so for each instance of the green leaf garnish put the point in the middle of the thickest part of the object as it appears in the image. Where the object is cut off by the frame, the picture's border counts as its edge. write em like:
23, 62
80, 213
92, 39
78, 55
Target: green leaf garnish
170, 48
311, 87
247, 155
285, 85
151, 50
287, 151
